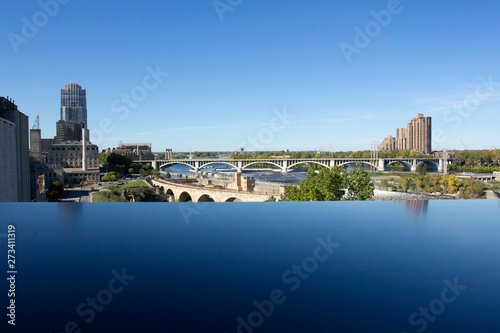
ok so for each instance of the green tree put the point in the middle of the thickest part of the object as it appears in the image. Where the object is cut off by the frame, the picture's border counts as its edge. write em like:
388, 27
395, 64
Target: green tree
474, 189
116, 162
422, 169
327, 185
55, 190
331, 185
103, 159
404, 184
359, 185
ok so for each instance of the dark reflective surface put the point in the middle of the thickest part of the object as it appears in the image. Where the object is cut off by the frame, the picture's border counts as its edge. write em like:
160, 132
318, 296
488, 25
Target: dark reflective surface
267, 267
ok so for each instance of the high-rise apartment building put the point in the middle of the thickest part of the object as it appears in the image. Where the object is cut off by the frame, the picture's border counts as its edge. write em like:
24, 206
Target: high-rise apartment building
389, 144
416, 137
419, 134
402, 139
74, 104
14, 153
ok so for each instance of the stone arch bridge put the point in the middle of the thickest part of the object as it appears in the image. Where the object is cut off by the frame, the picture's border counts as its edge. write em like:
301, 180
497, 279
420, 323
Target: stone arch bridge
184, 193
286, 165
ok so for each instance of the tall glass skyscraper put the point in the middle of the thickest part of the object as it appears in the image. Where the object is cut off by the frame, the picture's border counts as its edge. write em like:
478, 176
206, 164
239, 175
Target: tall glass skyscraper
74, 104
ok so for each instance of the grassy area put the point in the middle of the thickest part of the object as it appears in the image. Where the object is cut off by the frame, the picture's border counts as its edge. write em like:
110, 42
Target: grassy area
105, 197
136, 184
98, 197
376, 174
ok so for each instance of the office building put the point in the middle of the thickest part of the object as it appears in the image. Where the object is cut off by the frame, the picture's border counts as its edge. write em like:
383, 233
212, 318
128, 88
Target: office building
69, 155
138, 151
69, 162
14, 153
74, 104
68, 131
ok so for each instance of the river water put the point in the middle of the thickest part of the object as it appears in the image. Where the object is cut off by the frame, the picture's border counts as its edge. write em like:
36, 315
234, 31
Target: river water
260, 174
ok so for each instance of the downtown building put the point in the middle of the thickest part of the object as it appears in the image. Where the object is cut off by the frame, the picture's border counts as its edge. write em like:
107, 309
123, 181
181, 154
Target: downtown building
137, 151
69, 157
417, 136
73, 119
73, 114
74, 104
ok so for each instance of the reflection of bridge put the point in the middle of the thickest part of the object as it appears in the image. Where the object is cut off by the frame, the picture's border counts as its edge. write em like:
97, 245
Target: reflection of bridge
287, 164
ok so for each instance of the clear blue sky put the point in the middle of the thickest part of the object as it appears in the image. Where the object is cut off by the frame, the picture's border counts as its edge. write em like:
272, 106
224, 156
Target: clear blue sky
226, 77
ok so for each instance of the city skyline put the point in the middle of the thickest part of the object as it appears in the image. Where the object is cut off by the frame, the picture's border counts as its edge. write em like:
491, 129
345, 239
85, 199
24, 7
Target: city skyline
200, 79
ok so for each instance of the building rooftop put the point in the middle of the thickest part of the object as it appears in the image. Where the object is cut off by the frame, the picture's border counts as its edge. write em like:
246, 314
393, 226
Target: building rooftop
7, 104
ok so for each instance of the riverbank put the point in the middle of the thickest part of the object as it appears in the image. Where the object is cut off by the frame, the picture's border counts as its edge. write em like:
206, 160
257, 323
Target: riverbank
391, 195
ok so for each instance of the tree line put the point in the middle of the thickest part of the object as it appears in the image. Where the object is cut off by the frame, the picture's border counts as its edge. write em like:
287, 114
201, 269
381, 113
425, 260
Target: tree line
118, 165
310, 154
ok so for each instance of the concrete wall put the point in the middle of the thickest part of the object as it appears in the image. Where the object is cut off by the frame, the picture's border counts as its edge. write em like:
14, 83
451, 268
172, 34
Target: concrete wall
21, 147
8, 165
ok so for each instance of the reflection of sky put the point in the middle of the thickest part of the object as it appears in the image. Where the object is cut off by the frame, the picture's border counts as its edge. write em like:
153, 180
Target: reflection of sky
2, 236
202, 276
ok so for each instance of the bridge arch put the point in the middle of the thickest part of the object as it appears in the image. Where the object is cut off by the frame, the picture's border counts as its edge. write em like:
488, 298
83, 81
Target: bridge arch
354, 162
308, 162
174, 163
206, 198
263, 162
185, 197
171, 194
408, 165
233, 199
434, 163
225, 163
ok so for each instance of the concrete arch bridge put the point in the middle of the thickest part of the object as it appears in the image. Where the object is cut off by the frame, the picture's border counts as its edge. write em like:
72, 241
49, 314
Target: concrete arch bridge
286, 165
